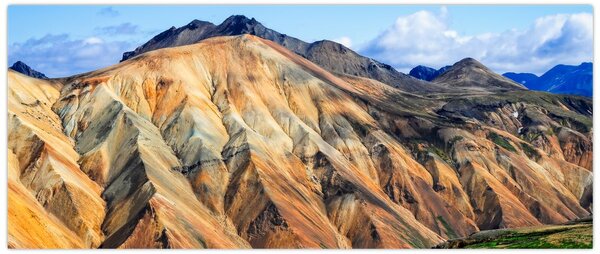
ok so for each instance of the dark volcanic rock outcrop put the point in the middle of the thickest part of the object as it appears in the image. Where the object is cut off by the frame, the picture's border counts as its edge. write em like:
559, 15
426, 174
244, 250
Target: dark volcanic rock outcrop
23, 68
427, 73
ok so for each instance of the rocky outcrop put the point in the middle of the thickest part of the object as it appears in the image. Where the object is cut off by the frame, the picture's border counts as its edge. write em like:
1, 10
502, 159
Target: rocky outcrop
23, 68
427, 73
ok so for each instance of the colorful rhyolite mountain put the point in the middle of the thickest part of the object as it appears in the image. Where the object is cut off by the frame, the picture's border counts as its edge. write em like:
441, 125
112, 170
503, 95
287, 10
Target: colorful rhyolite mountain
239, 142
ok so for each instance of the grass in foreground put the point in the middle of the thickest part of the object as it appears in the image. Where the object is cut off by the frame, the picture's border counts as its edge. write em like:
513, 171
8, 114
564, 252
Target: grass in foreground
574, 236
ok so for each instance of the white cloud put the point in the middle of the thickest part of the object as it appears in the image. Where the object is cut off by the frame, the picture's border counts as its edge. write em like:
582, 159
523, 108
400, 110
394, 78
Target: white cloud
344, 40
425, 38
93, 40
60, 55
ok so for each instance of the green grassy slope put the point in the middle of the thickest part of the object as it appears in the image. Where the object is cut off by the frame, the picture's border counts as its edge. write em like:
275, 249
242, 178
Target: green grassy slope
575, 235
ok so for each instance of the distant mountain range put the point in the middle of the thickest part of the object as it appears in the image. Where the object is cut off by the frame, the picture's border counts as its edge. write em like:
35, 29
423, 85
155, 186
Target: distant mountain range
561, 79
23, 68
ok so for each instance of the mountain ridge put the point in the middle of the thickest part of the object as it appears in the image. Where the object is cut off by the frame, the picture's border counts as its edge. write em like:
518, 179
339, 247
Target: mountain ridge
352, 62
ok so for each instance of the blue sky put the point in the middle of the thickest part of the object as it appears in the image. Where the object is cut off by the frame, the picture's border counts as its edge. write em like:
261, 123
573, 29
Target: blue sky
62, 40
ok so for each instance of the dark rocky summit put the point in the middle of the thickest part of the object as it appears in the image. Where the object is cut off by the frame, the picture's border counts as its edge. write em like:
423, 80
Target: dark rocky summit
330, 55
427, 73
23, 68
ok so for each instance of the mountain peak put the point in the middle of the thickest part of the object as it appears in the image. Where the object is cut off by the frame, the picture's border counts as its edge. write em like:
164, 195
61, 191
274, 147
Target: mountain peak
470, 74
198, 23
426, 73
330, 45
19, 64
330, 55
238, 18
470, 62
239, 21
239, 24
23, 68
198, 30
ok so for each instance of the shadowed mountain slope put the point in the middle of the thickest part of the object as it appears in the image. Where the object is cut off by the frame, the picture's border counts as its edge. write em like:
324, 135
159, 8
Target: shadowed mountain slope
23, 68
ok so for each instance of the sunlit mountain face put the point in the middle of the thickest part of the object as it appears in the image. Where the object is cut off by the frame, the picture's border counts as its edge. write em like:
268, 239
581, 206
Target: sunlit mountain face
237, 136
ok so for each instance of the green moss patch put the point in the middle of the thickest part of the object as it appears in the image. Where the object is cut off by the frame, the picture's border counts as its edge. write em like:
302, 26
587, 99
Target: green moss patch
449, 231
530, 151
501, 141
440, 153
